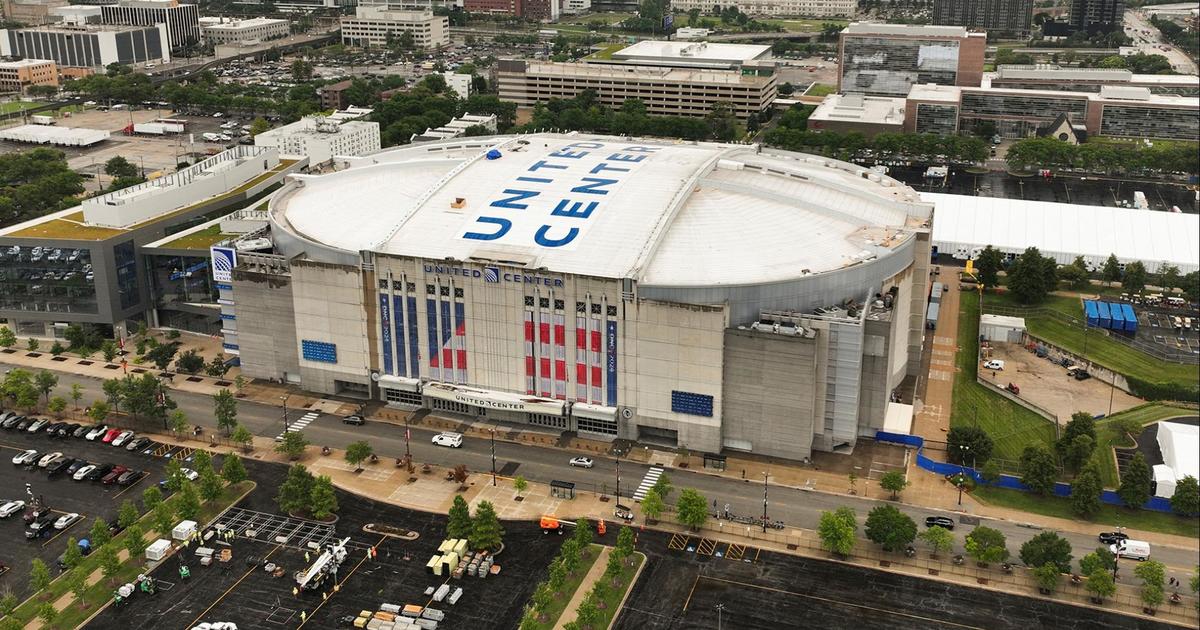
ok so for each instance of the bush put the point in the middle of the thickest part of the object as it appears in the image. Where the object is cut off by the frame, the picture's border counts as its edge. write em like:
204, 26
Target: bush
1162, 391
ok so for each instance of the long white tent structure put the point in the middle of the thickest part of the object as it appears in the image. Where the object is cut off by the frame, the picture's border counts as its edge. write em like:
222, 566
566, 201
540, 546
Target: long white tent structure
964, 225
59, 136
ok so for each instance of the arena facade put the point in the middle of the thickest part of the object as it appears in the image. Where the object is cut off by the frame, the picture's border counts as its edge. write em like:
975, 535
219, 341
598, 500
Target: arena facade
709, 296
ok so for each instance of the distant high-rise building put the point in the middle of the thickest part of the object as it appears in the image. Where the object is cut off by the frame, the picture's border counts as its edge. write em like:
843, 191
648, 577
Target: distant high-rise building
182, 20
1009, 18
1097, 16
888, 59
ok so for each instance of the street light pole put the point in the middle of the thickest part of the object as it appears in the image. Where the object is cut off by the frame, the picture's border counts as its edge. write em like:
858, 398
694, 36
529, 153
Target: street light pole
493, 457
407, 453
764, 524
284, 398
720, 609
961, 471
618, 481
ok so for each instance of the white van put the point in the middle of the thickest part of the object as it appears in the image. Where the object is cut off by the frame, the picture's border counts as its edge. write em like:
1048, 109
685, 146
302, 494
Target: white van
1135, 549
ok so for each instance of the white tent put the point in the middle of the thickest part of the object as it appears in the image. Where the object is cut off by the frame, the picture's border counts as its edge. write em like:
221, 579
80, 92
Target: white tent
1164, 481
1180, 446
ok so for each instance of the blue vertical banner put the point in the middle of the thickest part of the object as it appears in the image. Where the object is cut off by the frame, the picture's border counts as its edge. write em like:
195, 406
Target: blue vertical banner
414, 344
431, 329
385, 332
398, 316
610, 338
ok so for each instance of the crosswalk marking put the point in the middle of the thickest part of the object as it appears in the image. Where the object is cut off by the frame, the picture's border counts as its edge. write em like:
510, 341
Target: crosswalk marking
648, 482
299, 425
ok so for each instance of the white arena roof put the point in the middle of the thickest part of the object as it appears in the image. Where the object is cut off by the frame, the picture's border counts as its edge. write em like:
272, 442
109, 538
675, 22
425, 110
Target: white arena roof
1064, 231
666, 214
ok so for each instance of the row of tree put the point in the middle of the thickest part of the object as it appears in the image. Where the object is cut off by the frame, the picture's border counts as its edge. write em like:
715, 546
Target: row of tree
792, 134
586, 113
482, 531
1133, 158
302, 494
34, 183
566, 565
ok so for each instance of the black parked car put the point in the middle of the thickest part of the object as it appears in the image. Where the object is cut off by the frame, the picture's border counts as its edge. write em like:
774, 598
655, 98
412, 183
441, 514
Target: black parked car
41, 526
59, 467
1112, 538
76, 465
66, 430
52, 428
81, 430
99, 472
128, 477
24, 423
944, 522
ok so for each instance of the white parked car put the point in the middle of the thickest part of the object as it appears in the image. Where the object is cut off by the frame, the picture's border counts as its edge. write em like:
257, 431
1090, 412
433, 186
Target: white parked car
25, 458
994, 364
452, 440
582, 462
66, 520
122, 438
10, 508
96, 432
83, 472
48, 459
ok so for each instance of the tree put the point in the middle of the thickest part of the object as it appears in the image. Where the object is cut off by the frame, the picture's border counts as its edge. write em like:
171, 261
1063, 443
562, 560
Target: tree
39, 575
570, 556
837, 530
322, 499
217, 367
663, 486
77, 583
1078, 452
1101, 585
1031, 276
114, 392
177, 421
520, 485
986, 545
47, 613
259, 125
652, 504
57, 348
1086, 491
691, 508
98, 411
188, 506
1135, 277
1038, 469
1047, 547
625, 541
32, 344
1168, 276
1075, 274
99, 534
241, 435
76, 394
292, 445
56, 406
174, 476
890, 527
1191, 286
583, 534
968, 444
1047, 576
189, 362
1078, 440
358, 452
72, 555
1153, 575
128, 514
295, 490
225, 410
459, 524
990, 472
894, 481
109, 350
201, 461
1099, 560
939, 539
486, 532
162, 355
1135, 482
1186, 500
162, 517
210, 485
110, 563
587, 615
117, 166
8, 339
233, 470
45, 382
135, 541
988, 265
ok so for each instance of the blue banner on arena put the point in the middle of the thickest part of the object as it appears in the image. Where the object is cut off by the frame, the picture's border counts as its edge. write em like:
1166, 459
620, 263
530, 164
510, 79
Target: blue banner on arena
414, 350
385, 332
611, 363
398, 316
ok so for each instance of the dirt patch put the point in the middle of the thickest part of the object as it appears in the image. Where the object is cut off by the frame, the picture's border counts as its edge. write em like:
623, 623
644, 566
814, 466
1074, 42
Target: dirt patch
1047, 385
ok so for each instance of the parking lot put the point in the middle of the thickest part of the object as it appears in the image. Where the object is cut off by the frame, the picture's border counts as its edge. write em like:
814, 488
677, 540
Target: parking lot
63, 495
242, 592
1169, 327
690, 586
1046, 384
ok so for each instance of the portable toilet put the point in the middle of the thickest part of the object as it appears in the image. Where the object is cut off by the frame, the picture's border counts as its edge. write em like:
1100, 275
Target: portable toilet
1118, 317
1091, 312
1105, 315
1131, 323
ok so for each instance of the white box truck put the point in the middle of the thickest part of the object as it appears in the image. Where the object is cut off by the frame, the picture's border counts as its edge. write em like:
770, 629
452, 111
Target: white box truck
1134, 549
41, 119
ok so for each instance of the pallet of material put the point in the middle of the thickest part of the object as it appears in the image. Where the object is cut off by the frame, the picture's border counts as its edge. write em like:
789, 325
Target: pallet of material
375, 624
461, 547
455, 596
495, 569
392, 608
427, 624
412, 610
434, 614
384, 615
448, 545
441, 592
361, 622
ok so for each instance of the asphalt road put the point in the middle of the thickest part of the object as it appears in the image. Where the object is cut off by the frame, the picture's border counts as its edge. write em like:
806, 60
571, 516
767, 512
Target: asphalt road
798, 508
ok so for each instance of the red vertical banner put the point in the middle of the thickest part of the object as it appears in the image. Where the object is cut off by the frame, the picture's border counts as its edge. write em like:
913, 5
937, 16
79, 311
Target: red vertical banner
560, 356
530, 362
597, 380
544, 352
581, 372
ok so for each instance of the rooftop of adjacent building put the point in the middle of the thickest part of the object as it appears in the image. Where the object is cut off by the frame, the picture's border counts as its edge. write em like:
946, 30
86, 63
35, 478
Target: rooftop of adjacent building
69, 224
909, 30
216, 23
615, 72
928, 92
148, 4
219, 231
24, 63
683, 51
1052, 72
75, 29
862, 109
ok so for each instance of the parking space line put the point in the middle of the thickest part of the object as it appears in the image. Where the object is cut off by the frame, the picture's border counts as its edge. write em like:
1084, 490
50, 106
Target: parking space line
82, 518
132, 485
233, 586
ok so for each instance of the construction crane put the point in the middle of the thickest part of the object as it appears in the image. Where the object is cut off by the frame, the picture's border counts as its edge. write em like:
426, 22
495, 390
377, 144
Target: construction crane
324, 566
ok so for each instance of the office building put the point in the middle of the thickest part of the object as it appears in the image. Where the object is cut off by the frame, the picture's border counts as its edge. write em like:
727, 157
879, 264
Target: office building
552, 280
458, 127
17, 76
379, 24
1128, 112
1053, 77
222, 31
664, 90
495, 7
88, 46
1000, 18
84, 264
888, 59
78, 14
182, 20
1097, 16
774, 8
677, 54
460, 84
868, 115
333, 96
321, 138
30, 12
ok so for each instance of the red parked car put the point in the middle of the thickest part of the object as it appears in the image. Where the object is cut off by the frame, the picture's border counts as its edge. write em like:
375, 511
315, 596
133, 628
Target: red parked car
113, 474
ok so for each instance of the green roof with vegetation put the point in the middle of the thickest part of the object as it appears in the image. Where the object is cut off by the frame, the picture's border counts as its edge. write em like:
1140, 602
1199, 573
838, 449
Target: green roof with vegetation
200, 239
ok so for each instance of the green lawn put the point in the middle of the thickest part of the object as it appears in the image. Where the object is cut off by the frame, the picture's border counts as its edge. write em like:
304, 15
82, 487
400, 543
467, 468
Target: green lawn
558, 604
1109, 516
1107, 435
1011, 426
612, 599
1100, 349
16, 106
804, 26
820, 89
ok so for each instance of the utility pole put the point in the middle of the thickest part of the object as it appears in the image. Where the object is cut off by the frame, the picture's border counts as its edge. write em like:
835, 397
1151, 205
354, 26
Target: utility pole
493, 457
764, 502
